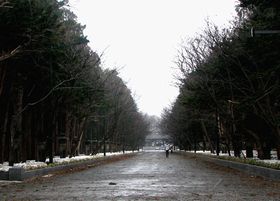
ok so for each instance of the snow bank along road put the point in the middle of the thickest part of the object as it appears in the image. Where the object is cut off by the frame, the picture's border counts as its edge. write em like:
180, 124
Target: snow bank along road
147, 176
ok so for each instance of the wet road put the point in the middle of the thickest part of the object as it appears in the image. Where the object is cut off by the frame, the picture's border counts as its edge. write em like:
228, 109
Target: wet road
147, 176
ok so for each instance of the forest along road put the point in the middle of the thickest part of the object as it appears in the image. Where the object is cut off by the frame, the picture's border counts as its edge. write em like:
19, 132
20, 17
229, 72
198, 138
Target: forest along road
147, 176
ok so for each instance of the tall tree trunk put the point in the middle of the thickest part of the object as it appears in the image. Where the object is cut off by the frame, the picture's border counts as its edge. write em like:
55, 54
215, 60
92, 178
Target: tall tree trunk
204, 143
104, 136
20, 150
217, 133
278, 150
37, 130
206, 135
68, 121
249, 150
28, 137
2, 78
80, 132
16, 124
23, 145
3, 111
104, 146
195, 144
4, 135
50, 135
278, 142
11, 140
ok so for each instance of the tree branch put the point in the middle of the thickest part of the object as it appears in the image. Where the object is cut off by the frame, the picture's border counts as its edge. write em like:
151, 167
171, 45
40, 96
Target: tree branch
5, 5
10, 54
47, 95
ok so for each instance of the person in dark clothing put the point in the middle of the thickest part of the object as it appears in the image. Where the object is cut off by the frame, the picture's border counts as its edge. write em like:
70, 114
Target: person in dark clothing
167, 152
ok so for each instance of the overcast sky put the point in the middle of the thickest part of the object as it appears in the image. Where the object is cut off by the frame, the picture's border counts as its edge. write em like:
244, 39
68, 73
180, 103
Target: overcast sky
141, 37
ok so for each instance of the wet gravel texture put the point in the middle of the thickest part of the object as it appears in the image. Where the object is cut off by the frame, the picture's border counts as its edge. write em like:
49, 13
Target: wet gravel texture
146, 176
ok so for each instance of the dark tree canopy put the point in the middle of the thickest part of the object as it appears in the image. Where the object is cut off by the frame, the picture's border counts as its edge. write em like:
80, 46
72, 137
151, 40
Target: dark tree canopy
229, 83
53, 90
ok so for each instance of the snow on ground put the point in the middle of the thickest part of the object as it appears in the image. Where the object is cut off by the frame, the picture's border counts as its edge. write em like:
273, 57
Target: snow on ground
255, 154
32, 164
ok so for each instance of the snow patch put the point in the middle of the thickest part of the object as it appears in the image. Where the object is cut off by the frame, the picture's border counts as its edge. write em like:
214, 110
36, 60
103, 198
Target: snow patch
32, 164
255, 155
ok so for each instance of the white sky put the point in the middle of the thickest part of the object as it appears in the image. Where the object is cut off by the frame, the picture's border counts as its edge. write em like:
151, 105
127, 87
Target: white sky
142, 37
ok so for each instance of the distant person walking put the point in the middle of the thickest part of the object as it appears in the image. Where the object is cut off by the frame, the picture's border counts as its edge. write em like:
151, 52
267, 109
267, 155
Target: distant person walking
167, 151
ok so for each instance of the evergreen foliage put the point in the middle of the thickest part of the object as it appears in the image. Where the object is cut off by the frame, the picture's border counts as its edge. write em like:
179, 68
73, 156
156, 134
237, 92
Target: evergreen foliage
52, 86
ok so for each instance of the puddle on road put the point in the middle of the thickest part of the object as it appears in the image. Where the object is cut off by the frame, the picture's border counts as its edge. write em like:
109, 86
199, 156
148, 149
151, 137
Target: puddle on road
143, 168
146, 184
